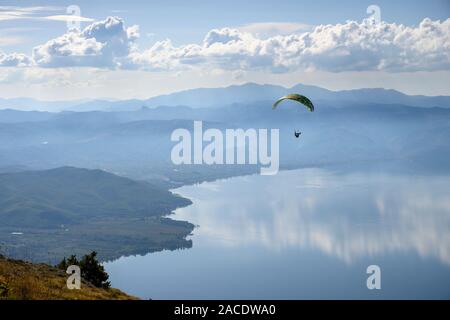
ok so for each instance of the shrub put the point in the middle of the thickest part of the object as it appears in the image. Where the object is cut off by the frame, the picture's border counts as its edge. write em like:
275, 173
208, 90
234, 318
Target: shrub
65, 263
91, 270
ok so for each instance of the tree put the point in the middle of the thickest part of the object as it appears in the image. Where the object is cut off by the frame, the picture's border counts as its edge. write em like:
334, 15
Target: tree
91, 270
65, 263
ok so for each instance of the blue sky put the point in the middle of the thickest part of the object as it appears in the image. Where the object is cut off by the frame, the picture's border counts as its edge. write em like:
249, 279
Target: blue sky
188, 21
196, 55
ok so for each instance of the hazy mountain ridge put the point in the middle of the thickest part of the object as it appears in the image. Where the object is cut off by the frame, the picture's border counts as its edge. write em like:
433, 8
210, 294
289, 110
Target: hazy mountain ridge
219, 97
251, 92
137, 144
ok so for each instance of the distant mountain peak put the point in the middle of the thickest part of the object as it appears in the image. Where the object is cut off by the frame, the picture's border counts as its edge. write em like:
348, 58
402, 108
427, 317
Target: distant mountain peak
249, 92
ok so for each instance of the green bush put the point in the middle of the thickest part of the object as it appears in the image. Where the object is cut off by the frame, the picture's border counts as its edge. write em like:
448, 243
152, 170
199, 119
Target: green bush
91, 270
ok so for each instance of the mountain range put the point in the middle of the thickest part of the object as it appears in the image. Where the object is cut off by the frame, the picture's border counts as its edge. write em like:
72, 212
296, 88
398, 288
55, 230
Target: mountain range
219, 97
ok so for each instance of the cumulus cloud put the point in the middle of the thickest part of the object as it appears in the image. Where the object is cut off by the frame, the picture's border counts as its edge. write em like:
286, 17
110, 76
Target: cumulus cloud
102, 44
14, 60
350, 46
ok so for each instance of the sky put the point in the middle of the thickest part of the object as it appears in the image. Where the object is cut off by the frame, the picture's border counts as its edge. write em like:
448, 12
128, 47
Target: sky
65, 50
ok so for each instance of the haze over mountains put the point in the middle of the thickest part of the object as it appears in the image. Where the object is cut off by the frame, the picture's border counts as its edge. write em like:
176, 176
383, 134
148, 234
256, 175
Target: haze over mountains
137, 144
349, 130
219, 97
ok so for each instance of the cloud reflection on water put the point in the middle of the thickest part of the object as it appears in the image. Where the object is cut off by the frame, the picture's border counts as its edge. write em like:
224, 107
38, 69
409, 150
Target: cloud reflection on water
344, 215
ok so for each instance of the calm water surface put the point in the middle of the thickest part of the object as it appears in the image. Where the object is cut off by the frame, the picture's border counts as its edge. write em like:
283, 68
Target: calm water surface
303, 234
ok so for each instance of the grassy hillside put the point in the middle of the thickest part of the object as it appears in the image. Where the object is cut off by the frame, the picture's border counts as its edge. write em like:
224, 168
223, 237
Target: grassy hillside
26, 281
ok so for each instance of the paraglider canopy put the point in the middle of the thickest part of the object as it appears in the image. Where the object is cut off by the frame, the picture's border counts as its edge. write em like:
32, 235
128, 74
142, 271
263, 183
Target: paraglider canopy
296, 97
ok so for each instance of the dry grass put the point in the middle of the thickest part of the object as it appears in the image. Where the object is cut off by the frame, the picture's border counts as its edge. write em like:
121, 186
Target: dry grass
21, 280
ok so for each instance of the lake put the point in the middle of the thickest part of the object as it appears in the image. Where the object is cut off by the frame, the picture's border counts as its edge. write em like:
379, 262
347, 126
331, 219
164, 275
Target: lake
303, 234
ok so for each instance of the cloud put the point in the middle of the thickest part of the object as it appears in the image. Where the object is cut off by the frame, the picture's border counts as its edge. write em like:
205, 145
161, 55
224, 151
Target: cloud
67, 18
40, 13
101, 44
30, 76
16, 12
14, 60
350, 46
